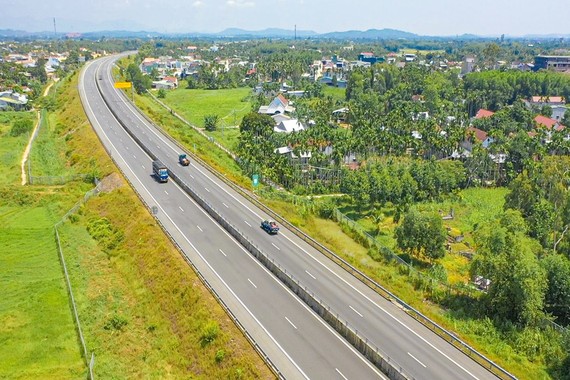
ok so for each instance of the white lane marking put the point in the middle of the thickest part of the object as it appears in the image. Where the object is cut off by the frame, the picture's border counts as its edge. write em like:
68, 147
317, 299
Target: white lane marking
225, 205
207, 189
279, 283
143, 167
201, 230
202, 257
191, 176
340, 373
222, 252
356, 311
165, 192
295, 327
314, 278
416, 359
127, 147
251, 282
181, 209
247, 223
134, 156
279, 249
157, 147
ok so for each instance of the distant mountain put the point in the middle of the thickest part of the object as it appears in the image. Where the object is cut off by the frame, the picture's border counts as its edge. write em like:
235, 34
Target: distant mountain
370, 34
120, 34
271, 32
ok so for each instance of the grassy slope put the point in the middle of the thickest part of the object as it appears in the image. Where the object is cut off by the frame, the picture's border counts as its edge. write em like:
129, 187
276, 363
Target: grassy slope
12, 148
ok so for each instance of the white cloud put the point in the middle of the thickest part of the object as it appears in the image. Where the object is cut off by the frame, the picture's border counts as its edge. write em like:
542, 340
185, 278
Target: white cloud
240, 3
197, 4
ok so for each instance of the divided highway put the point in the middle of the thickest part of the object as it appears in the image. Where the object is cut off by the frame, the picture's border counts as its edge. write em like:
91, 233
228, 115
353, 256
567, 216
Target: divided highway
287, 331
298, 342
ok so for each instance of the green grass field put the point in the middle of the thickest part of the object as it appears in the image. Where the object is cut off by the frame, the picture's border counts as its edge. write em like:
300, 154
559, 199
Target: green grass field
12, 148
229, 104
335, 92
37, 333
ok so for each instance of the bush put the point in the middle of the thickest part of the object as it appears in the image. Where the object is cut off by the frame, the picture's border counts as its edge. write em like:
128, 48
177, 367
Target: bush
21, 127
210, 333
116, 322
220, 355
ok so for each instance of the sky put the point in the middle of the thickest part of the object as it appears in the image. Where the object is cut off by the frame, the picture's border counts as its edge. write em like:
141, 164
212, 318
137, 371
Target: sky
424, 17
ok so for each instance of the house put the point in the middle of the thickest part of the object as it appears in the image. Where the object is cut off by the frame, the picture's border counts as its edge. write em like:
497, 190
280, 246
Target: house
172, 80
163, 85
303, 157
559, 63
556, 103
279, 105
548, 123
279, 117
475, 135
369, 58
483, 113
11, 99
288, 126
468, 65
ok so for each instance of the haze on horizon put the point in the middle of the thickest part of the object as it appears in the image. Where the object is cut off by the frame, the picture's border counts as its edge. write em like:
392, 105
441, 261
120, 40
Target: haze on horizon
429, 17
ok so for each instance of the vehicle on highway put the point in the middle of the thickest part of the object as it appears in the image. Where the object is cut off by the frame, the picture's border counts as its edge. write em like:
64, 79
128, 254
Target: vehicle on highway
270, 226
160, 171
183, 160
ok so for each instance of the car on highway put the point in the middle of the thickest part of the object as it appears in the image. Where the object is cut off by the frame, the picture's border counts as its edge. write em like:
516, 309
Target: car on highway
270, 227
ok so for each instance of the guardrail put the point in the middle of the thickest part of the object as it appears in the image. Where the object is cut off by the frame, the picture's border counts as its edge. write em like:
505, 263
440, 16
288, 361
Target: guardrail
232, 316
433, 326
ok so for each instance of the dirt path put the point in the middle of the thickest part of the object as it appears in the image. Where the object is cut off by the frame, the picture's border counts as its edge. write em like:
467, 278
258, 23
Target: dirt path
29, 145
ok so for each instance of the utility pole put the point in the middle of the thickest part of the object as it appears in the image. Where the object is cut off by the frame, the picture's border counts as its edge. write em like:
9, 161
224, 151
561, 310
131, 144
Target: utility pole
295, 32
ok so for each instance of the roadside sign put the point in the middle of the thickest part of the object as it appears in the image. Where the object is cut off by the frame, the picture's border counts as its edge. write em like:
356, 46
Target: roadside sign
255, 179
123, 84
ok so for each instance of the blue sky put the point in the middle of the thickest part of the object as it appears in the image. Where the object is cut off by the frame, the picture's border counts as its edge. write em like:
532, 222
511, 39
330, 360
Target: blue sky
427, 17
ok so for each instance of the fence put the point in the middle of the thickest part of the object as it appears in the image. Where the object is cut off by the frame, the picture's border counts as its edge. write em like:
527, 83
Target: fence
449, 337
88, 362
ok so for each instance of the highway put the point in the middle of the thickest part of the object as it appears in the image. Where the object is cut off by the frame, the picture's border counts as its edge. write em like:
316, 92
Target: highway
287, 331
256, 294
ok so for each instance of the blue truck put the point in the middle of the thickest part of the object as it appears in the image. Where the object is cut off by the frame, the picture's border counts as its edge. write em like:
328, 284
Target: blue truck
270, 227
160, 171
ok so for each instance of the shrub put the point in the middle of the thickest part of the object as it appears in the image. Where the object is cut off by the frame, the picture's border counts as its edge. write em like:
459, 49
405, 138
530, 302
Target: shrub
21, 127
210, 333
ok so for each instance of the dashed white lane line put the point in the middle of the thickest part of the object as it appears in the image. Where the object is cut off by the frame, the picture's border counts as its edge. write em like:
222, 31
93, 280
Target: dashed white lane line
340, 373
247, 223
356, 311
416, 359
251, 282
165, 192
279, 249
291, 323
222, 252
143, 167
314, 278
207, 189
201, 230
181, 209
225, 205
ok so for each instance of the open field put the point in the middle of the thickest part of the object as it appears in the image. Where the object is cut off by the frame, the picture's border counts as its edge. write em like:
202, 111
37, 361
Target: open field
12, 148
36, 328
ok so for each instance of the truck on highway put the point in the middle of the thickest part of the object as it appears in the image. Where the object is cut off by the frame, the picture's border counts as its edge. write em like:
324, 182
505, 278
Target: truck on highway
183, 160
270, 227
160, 171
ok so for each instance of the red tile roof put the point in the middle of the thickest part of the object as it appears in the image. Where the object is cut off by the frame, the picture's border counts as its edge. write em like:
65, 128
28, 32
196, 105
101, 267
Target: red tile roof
483, 113
548, 99
545, 121
479, 134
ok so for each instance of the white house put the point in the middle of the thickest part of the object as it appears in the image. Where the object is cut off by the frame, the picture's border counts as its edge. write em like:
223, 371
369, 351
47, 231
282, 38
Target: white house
288, 126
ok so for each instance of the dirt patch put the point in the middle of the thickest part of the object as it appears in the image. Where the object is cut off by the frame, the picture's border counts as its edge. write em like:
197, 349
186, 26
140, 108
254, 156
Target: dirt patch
111, 182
